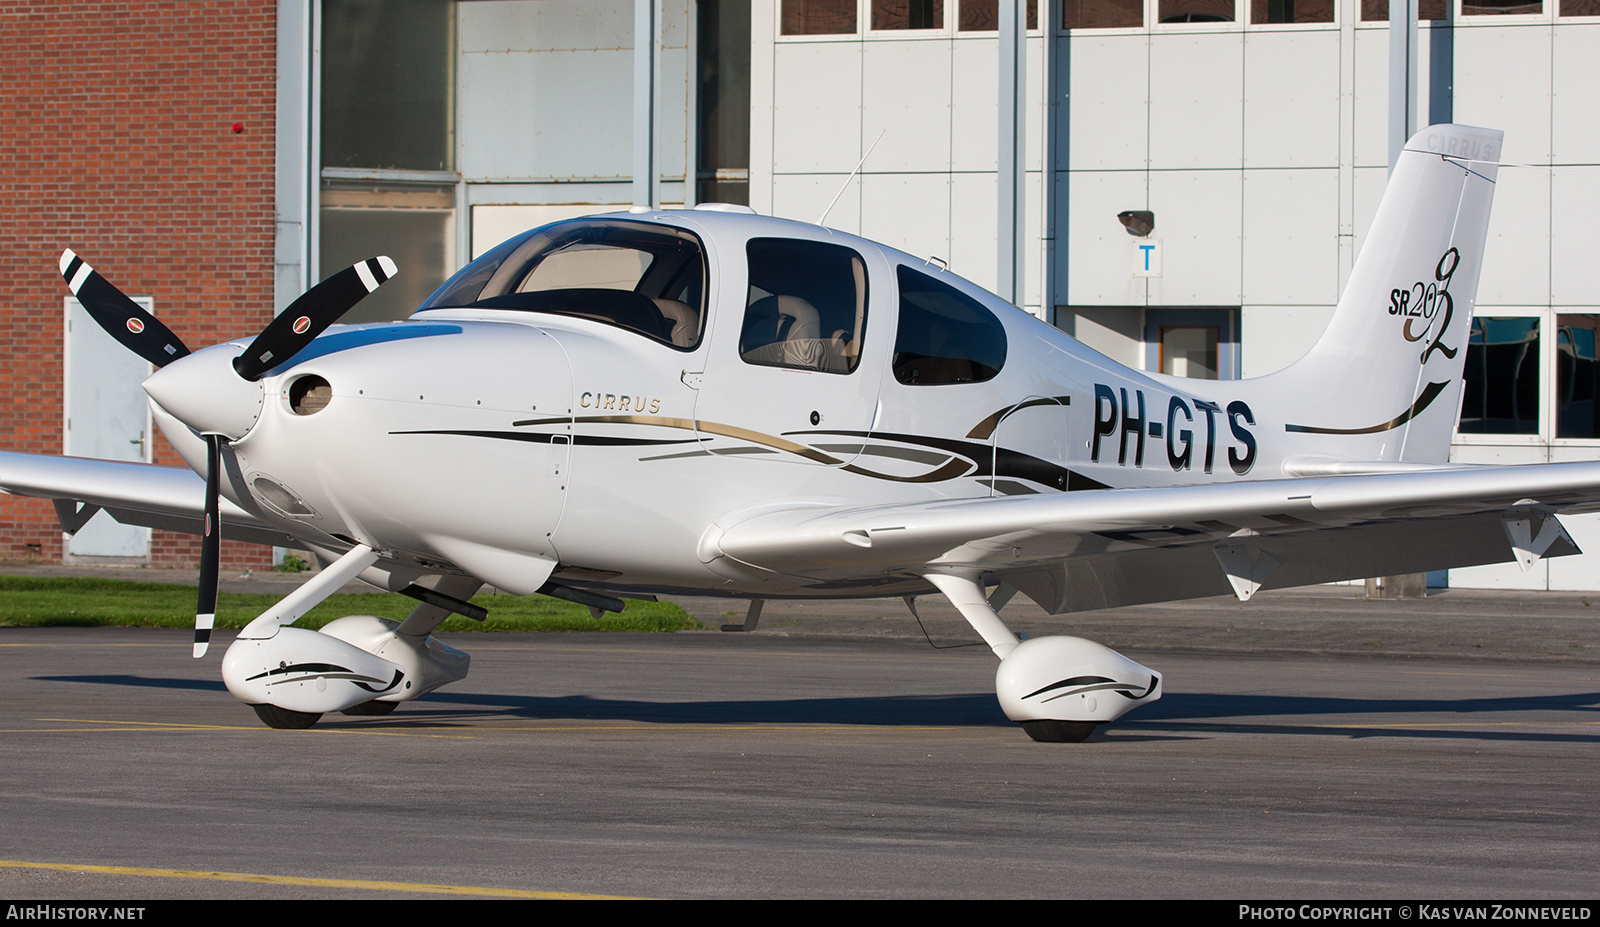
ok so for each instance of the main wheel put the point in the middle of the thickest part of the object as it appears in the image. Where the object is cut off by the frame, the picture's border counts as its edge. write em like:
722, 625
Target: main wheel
1051, 731
371, 708
285, 720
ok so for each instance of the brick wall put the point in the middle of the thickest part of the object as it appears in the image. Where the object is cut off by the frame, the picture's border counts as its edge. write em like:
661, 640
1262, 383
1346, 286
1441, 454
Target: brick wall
116, 139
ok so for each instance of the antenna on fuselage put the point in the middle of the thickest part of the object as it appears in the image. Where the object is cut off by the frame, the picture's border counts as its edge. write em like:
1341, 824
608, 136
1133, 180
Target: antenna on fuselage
846, 184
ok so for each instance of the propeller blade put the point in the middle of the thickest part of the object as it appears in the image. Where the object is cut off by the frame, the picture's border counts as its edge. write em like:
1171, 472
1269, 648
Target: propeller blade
120, 316
210, 549
310, 315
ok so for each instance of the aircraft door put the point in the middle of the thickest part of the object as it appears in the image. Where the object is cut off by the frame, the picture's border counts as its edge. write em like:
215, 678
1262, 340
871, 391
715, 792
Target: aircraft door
796, 355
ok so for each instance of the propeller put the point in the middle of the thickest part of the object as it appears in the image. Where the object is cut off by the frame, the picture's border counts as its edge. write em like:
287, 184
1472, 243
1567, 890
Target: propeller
121, 317
284, 337
205, 613
310, 315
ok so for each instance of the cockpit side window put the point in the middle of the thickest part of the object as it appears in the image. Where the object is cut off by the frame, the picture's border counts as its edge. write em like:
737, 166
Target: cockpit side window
647, 279
945, 335
806, 307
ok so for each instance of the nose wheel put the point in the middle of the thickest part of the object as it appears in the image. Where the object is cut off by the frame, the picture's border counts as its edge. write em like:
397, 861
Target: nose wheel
1051, 731
284, 719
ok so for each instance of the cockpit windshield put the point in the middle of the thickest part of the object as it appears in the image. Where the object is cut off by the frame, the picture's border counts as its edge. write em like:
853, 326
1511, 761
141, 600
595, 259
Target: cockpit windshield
644, 278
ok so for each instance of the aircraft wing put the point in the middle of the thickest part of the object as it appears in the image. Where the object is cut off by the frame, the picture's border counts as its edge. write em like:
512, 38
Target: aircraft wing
1104, 548
169, 498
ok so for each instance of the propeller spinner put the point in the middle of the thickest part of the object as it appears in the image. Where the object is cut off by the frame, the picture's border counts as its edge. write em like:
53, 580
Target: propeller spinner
284, 337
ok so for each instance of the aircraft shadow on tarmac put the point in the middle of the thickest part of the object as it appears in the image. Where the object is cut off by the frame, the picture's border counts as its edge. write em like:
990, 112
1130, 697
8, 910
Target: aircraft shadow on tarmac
1176, 713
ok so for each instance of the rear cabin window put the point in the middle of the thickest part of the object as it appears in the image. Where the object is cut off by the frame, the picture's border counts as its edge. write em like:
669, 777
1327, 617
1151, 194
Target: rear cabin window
806, 307
646, 279
945, 335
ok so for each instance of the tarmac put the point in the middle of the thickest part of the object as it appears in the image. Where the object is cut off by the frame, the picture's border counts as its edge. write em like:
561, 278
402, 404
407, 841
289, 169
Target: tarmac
1465, 624
1310, 744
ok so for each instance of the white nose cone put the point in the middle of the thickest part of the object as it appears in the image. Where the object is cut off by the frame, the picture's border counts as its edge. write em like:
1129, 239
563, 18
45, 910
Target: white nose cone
203, 392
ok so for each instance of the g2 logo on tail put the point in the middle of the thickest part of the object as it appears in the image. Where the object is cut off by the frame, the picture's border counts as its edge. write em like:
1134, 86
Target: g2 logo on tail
1425, 301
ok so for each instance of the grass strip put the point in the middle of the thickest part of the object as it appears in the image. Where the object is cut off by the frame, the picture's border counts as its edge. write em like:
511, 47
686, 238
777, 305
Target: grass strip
36, 601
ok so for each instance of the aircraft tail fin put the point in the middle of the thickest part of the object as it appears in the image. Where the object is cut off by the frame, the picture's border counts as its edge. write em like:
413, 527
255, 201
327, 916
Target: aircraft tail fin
1386, 374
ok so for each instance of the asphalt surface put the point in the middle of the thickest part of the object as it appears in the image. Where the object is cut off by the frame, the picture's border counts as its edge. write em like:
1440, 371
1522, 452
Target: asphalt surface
1310, 744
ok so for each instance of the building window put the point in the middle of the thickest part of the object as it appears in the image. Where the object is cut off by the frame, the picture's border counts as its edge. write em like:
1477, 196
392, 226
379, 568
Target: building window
908, 14
1577, 377
1189, 351
984, 15
1374, 11
1202, 344
722, 169
388, 146
1102, 14
1502, 377
1579, 8
1195, 11
818, 17
1500, 8
1291, 11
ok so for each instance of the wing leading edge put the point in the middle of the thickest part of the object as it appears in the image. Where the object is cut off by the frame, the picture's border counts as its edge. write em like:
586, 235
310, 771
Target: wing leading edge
169, 498
1106, 548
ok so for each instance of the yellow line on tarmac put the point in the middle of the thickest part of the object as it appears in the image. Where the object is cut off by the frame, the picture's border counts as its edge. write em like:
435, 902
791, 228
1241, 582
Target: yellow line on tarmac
155, 724
113, 727
262, 879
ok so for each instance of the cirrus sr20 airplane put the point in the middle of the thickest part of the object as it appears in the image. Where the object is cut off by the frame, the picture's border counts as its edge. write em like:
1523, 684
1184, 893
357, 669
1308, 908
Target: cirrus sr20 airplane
712, 402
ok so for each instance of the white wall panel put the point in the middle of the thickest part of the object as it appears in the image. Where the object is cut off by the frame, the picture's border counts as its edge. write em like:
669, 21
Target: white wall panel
1499, 454
816, 104
1196, 103
1575, 132
1291, 92
1503, 82
1033, 241
492, 224
1109, 125
974, 113
805, 196
1574, 203
1035, 98
1100, 251
1580, 572
1372, 98
672, 112
1502, 576
527, 109
1199, 220
1516, 260
907, 211
906, 90
973, 248
1291, 237
545, 25
551, 114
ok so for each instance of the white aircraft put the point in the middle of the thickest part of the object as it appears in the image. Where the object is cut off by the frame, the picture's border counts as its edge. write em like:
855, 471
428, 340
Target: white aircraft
708, 401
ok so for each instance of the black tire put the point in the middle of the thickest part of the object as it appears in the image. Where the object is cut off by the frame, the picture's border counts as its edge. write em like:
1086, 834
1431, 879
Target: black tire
371, 709
1051, 731
285, 720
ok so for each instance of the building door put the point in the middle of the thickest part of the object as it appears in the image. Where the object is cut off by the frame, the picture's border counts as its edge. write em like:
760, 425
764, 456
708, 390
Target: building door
107, 417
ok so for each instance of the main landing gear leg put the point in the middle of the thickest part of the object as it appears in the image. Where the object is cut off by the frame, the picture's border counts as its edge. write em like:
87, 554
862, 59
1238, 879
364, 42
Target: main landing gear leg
1057, 688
